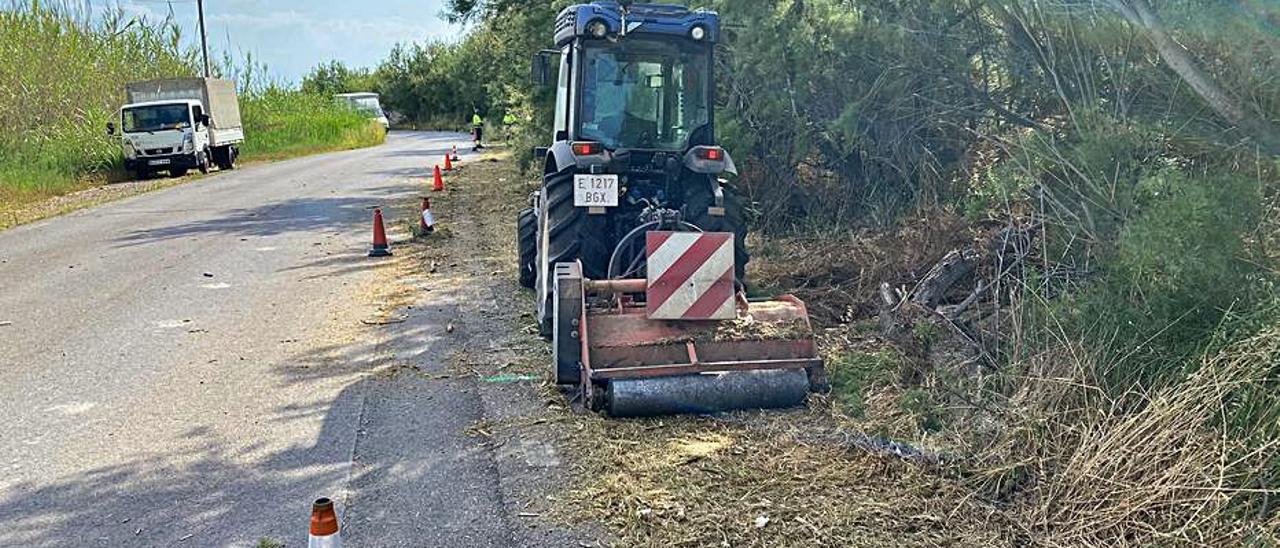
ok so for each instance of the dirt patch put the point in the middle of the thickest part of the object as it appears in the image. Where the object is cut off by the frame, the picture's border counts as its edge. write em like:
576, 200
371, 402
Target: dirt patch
17, 213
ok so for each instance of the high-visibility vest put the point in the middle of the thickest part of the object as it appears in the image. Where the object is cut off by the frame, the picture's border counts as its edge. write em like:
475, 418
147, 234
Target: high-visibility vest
476, 120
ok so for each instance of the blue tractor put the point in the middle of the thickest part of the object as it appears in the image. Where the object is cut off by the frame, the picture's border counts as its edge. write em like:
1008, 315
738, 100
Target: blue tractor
634, 144
634, 244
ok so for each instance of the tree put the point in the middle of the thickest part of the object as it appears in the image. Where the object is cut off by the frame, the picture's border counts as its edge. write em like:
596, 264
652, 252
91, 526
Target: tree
1140, 14
335, 77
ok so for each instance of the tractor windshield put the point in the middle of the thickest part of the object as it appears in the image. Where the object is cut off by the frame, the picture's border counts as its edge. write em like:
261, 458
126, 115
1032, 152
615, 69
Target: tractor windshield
641, 93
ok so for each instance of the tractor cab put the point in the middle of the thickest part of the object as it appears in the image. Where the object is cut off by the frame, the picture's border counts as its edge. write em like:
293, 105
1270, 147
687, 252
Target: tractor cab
636, 77
634, 118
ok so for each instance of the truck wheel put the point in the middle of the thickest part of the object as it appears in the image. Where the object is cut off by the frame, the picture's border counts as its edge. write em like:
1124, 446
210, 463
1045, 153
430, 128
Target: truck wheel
527, 246
566, 234
225, 157
177, 171
203, 162
697, 210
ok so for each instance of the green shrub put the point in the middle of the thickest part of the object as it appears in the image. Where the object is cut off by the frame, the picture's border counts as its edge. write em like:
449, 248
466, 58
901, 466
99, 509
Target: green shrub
1172, 273
852, 374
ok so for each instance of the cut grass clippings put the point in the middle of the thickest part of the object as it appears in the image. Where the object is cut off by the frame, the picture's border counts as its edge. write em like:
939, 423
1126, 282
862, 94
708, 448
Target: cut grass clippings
747, 480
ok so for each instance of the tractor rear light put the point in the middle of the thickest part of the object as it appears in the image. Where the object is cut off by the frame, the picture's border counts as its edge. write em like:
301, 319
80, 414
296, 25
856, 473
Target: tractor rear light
587, 148
714, 154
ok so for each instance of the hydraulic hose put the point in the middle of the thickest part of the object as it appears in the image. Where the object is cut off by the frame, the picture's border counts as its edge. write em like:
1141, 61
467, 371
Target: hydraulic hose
626, 241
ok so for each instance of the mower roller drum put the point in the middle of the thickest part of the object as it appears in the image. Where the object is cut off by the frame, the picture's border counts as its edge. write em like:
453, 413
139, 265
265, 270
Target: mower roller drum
628, 364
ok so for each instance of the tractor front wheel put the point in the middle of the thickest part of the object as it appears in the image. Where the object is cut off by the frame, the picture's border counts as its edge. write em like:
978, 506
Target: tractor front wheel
527, 246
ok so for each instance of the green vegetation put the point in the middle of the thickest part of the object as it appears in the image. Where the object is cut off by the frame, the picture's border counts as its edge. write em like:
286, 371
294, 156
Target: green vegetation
61, 80
62, 76
282, 123
855, 373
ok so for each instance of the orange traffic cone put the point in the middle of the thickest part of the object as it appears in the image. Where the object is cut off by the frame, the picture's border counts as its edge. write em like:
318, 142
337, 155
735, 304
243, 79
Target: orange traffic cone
438, 184
428, 221
324, 526
448, 163
380, 247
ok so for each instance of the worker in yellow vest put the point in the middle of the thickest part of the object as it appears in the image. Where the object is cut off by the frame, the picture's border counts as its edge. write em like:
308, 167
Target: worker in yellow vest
477, 128
508, 125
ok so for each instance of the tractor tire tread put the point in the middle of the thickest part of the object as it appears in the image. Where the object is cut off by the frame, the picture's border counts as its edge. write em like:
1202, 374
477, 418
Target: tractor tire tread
698, 201
527, 245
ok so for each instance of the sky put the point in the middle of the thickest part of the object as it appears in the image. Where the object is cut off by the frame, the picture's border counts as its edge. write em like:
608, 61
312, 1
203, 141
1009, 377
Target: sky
291, 36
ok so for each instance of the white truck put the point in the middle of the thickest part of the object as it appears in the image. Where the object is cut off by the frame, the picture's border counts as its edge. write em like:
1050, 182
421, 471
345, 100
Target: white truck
365, 102
177, 124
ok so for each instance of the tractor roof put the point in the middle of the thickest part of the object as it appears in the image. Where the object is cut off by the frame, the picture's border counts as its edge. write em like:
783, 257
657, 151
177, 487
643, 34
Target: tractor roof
649, 19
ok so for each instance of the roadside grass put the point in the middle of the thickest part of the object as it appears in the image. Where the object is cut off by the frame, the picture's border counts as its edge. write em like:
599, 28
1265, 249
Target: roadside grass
62, 78
283, 124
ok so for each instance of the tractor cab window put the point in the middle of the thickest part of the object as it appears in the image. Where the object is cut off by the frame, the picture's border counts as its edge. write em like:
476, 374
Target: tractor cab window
640, 93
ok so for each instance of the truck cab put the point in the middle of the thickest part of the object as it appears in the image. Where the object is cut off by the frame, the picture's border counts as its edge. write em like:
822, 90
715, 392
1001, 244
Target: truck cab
164, 136
179, 124
365, 102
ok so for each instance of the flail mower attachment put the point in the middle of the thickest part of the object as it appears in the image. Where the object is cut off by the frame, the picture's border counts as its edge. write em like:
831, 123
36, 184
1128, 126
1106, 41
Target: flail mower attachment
683, 340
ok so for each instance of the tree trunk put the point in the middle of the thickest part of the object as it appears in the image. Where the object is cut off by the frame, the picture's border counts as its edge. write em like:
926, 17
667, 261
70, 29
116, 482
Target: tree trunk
1139, 13
952, 268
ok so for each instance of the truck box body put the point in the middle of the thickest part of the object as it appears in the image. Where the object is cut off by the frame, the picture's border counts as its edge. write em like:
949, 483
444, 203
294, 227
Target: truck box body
218, 97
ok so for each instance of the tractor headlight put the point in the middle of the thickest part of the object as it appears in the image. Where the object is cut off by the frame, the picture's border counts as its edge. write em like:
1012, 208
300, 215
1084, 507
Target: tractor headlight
698, 33
597, 28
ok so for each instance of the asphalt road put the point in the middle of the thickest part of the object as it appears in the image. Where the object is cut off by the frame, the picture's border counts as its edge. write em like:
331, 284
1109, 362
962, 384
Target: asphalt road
189, 367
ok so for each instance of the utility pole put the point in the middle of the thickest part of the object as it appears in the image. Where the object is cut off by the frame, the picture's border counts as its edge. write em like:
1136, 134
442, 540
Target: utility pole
204, 38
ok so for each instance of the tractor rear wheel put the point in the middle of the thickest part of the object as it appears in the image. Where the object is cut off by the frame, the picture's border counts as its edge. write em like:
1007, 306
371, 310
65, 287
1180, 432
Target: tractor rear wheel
566, 234
698, 202
527, 246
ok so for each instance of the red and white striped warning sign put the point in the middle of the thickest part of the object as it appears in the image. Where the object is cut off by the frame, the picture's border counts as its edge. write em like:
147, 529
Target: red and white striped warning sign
690, 275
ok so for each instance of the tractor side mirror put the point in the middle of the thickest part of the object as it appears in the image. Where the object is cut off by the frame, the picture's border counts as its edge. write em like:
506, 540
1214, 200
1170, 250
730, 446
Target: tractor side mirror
111, 128
540, 75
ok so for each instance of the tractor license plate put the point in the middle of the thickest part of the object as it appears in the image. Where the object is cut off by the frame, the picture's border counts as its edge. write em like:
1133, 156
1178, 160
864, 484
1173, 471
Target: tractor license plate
160, 162
595, 190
